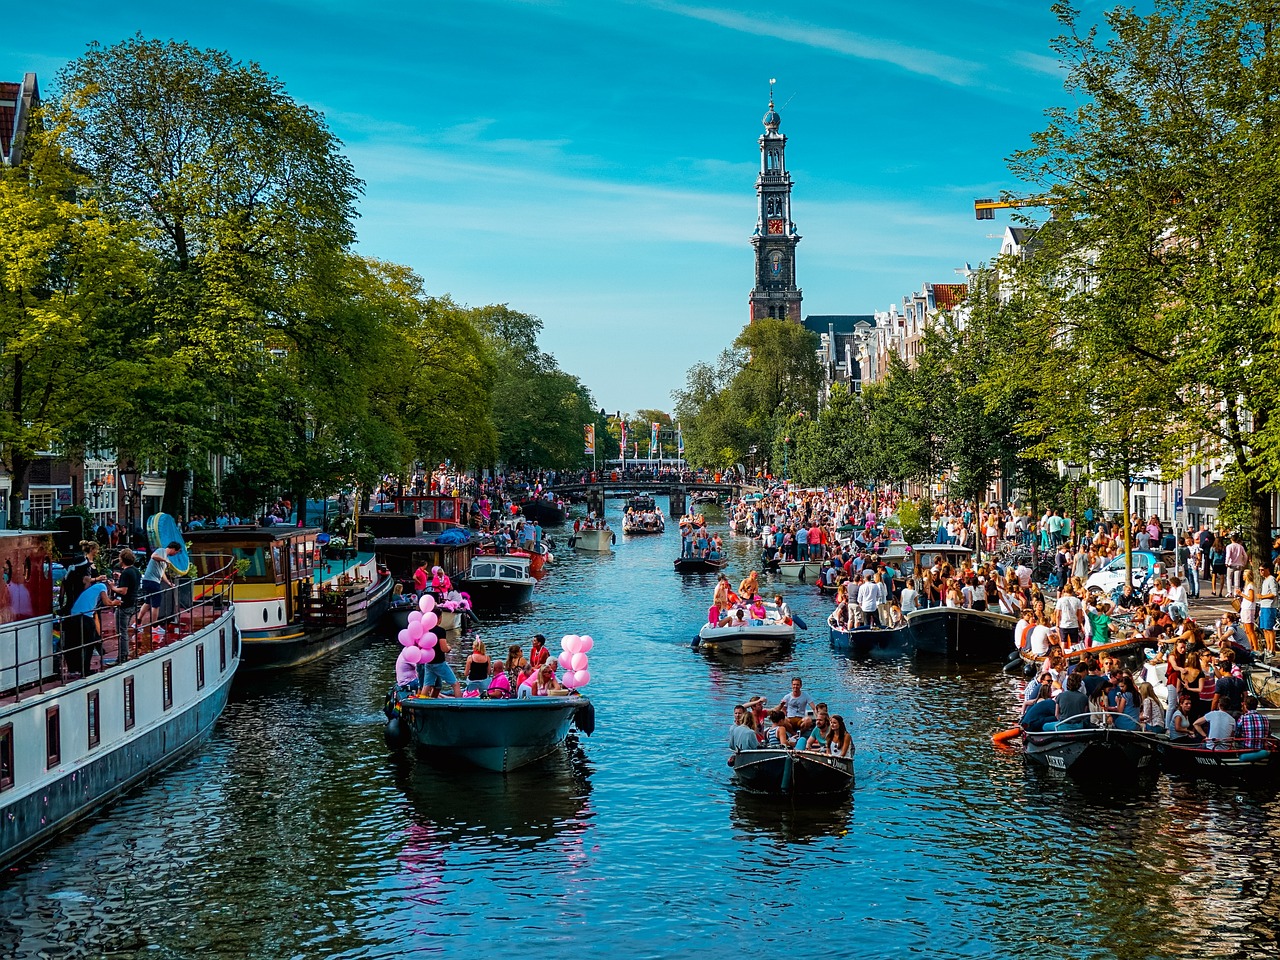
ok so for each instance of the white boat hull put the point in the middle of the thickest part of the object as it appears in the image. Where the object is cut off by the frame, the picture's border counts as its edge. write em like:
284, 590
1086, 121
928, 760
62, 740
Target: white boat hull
747, 640
593, 541
797, 572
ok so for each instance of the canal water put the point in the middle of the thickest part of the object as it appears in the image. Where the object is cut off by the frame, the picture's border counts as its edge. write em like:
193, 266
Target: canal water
293, 833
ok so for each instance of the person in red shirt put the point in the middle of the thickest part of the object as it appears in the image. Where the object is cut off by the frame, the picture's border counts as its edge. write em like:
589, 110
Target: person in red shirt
539, 653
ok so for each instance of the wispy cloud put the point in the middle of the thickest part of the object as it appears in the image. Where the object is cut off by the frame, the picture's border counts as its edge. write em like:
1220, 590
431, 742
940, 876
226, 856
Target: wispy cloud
926, 62
1050, 66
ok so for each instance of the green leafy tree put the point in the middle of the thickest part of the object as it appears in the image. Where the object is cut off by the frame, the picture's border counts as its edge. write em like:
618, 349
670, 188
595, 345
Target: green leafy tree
66, 268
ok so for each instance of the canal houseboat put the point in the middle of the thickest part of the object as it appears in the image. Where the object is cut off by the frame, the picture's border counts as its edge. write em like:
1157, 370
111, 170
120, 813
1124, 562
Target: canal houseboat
70, 744
296, 600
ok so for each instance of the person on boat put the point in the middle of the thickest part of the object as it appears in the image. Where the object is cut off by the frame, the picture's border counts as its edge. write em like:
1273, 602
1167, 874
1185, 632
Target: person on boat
1043, 710
476, 669
1126, 701
1038, 636
758, 610
499, 683
407, 678
782, 612
1252, 729
741, 736
1217, 727
1151, 717
1098, 616
1069, 616
795, 704
436, 672
1179, 724
839, 743
154, 581
1073, 705
750, 585
910, 597
896, 617
538, 652
517, 664
776, 737
1229, 689
440, 582
868, 603
420, 579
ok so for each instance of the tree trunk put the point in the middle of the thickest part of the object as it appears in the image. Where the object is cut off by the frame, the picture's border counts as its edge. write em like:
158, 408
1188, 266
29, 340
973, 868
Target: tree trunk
300, 505
18, 469
1260, 532
1128, 528
175, 485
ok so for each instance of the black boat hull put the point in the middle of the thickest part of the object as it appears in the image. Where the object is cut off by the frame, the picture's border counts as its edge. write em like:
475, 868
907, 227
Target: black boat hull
876, 644
282, 651
1195, 760
792, 772
1094, 752
544, 512
699, 565
496, 594
959, 634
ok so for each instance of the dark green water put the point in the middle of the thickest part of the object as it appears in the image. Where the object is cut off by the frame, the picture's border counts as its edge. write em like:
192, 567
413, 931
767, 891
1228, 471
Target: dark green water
292, 833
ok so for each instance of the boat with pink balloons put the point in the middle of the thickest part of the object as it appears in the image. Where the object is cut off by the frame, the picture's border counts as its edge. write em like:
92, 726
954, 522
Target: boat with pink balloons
501, 724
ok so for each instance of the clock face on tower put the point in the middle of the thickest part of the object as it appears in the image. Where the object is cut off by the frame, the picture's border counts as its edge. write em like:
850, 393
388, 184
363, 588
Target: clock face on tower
777, 226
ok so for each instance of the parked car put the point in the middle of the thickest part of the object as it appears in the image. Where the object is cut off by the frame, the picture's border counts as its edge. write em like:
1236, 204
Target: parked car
1106, 580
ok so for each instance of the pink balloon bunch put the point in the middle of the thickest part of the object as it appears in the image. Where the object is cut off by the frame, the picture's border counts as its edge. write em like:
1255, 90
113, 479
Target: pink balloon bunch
413, 655
573, 660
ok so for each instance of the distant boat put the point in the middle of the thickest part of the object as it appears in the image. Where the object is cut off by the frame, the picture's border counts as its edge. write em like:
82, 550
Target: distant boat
700, 564
749, 638
635, 524
497, 735
593, 541
875, 643
498, 581
792, 772
549, 513
800, 571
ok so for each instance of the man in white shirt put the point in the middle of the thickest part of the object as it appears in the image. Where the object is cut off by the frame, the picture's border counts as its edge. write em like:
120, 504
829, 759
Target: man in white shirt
868, 600
1217, 727
1267, 610
1039, 637
1069, 613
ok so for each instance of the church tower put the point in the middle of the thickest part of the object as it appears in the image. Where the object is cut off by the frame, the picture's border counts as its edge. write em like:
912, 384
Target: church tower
775, 237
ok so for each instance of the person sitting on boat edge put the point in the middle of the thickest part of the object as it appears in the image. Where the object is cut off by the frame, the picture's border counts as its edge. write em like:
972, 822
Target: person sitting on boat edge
476, 669
499, 682
781, 611
407, 678
839, 743
776, 736
538, 652
1072, 705
1252, 729
1217, 727
1043, 710
741, 736
794, 704
1179, 725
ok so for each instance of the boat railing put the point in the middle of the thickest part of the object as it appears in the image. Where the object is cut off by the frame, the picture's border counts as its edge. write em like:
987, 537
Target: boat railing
42, 653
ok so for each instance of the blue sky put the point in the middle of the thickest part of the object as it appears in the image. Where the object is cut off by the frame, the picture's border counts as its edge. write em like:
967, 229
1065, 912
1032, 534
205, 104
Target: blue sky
593, 161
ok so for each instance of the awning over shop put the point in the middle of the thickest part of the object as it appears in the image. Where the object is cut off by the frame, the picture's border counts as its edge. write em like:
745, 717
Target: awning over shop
1208, 496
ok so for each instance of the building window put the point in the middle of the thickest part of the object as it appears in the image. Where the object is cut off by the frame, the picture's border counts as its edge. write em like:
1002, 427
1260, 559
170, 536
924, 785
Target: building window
91, 715
167, 685
130, 704
199, 666
52, 738
222, 650
6, 756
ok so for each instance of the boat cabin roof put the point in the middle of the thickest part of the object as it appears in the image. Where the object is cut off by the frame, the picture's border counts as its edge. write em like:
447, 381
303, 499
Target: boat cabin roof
249, 534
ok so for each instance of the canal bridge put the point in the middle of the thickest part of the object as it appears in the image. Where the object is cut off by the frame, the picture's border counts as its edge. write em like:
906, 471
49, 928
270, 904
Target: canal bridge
678, 489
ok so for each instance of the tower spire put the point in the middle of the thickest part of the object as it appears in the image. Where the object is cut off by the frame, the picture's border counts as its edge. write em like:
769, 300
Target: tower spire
775, 294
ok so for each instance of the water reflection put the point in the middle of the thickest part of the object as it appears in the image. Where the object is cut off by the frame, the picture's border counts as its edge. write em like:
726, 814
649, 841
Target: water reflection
792, 820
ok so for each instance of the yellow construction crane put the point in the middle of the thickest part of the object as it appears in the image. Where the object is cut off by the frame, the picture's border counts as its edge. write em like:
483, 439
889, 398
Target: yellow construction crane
985, 209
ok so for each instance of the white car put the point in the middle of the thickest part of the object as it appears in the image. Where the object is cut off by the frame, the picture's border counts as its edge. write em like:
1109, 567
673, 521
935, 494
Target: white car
1106, 580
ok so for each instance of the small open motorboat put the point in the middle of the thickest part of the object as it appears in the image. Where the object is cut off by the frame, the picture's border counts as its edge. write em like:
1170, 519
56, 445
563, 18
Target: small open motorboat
876, 643
634, 524
1232, 760
800, 571
750, 638
700, 564
498, 735
1098, 753
593, 540
792, 772
640, 503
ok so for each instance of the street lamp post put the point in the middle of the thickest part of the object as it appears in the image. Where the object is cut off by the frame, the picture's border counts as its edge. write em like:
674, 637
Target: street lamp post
131, 482
1074, 471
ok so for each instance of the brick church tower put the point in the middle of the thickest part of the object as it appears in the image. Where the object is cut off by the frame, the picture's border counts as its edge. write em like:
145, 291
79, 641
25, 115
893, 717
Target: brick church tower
775, 236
